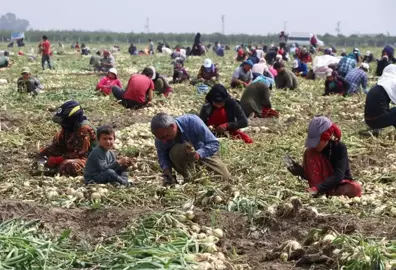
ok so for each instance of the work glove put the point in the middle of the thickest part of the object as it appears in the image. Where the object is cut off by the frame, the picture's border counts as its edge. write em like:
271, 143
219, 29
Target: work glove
293, 167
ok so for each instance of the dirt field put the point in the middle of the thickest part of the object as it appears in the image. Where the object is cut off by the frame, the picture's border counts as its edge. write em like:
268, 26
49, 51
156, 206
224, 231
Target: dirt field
253, 210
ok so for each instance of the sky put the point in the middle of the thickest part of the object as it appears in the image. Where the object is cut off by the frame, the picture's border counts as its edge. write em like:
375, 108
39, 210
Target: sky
258, 17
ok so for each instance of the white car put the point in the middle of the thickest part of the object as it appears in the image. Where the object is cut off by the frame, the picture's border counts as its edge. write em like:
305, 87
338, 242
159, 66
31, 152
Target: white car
302, 39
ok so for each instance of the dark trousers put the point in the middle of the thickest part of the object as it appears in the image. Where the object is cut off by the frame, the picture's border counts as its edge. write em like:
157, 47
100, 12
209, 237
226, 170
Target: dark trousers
46, 58
127, 103
385, 120
120, 176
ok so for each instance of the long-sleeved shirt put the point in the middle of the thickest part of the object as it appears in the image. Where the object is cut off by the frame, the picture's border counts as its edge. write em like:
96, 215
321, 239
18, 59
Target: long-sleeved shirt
105, 84
377, 103
193, 130
355, 78
338, 86
336, 153
31, 85
286, 79
99, 161
345, 65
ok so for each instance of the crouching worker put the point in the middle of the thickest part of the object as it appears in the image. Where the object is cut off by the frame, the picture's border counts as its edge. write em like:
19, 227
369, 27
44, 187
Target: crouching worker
70, 147
377, 113
102, 166
28, 84
161, 84
326, 165
255, 101
223, 113
185, 143
106, 83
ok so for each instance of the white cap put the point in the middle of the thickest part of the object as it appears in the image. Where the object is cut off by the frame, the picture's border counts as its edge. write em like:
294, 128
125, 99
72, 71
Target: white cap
365, 66
154, 72
207, 63
113, 70
368, 53
329, 72
295, 63
278, 56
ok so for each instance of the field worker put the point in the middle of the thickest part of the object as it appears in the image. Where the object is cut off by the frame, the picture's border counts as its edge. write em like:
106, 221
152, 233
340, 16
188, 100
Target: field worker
346, 64
71, 146
27, 84
325, 162
185, 143
208, 74
389, 51
139, 90
270, 57
253, 56
161, 84
368, 58
108, 61
358, 56
300, 68
377, 113
95, 61
180, 74
304, 56
255, 101
382, 64
243, 75
150, 47
282, 40
314, 41
107, 82
102, 166
4, 59
221, 113
335, 84
262, 69
132, 50
241, 54
286, 78
357, 77
45, 48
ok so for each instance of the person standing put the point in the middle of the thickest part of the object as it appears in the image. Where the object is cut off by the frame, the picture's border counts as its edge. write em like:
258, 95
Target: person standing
45, 48
151, 47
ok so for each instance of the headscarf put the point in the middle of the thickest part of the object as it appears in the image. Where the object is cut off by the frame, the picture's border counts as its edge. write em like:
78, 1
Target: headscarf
218, 93
388, 81
69, 115
321, 129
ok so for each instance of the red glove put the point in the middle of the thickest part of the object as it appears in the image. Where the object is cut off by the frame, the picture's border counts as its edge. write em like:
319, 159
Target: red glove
53, 161
168, 91
312, 190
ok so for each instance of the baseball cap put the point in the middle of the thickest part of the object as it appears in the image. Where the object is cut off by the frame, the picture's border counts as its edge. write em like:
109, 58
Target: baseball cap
154, 72
207, 63
316, 127
25, 70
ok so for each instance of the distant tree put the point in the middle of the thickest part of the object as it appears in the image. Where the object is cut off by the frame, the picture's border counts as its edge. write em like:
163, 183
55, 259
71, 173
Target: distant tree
10, 22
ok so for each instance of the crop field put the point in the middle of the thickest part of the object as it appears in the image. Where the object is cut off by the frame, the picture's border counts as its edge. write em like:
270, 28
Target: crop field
262, 219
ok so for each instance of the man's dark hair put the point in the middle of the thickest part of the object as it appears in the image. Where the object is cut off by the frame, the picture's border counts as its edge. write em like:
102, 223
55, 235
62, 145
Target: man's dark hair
107, 130
45, 37
149, 39
148, 72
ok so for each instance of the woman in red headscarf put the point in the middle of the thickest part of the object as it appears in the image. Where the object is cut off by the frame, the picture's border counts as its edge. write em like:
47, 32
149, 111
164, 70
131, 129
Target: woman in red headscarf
326, 164
224, 113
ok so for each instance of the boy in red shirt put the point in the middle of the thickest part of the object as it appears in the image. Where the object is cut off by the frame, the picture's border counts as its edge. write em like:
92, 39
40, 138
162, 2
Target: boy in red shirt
139, 91
45, 47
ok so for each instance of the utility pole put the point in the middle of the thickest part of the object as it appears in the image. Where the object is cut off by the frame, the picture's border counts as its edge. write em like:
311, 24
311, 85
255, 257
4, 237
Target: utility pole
223, 24
338, 28
147, 25
284, 26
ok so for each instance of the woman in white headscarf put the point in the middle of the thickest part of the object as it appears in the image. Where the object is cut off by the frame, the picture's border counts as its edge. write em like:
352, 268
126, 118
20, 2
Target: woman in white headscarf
377, 113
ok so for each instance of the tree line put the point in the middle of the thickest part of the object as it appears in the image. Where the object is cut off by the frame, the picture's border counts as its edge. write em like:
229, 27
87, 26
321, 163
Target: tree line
9, 22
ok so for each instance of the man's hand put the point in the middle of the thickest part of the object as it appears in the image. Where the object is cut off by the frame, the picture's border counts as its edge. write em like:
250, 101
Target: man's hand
313, 191
197, 156
168, 178
125, 161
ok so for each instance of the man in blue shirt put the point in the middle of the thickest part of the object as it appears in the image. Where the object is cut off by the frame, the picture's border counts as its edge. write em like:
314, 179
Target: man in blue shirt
183, 143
